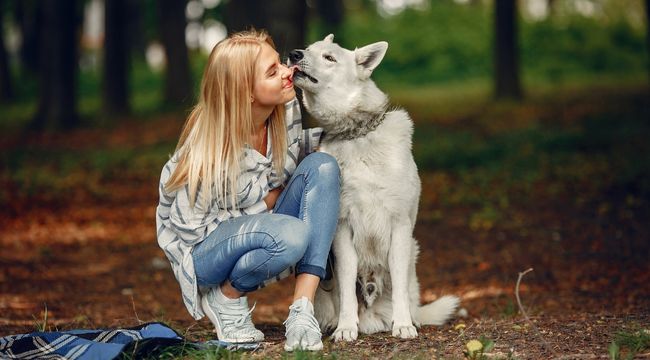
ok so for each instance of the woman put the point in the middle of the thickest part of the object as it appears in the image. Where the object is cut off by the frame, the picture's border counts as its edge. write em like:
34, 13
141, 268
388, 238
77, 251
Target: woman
245, 199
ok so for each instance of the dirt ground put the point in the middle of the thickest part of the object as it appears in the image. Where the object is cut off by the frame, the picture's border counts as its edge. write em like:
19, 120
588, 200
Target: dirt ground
85, 263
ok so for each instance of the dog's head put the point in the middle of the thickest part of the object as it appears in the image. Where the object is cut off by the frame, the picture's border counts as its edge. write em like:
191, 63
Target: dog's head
326, 65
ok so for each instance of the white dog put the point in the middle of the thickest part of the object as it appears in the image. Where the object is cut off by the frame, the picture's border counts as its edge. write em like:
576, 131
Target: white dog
374, 248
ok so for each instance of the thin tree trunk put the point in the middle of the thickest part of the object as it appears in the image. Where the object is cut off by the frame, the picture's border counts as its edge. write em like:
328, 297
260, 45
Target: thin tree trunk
286, 23
331, 13
551, 7
116, 59
58, 66
29, 17
246, 14
506, 56
6, 88
285, 20
135, 27
178, 80
647, 38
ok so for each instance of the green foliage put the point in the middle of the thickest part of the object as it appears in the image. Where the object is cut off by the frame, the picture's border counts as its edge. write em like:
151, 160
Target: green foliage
54, 174
449, 42
497, 156
627, 344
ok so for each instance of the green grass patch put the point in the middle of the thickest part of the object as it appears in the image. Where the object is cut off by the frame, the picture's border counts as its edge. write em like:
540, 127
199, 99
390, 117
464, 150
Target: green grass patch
627, 344
55, 174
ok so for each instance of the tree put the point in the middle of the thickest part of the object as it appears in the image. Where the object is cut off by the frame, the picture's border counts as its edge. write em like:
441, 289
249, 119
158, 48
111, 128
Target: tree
284, 20
331, 13
287, 25
6, 90
647, 27
58, 66
178, 81
550, 4
29, 17
506, 52
245, 14
116, 59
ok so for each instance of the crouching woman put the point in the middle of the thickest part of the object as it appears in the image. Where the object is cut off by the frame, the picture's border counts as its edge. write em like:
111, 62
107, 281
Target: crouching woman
244, 199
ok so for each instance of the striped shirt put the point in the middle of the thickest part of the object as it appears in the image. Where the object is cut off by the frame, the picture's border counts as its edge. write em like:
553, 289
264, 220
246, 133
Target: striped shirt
180, 227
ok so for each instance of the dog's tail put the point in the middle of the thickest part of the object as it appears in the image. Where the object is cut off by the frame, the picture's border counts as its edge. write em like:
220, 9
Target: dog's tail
439, 311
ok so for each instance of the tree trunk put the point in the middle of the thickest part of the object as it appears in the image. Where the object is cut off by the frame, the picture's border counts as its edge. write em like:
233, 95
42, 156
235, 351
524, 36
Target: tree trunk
178, 80
58, 66
6, 90
29, 17
551, 7
286, 24
331, 13
116, 59
135, 27
246, 14
506, 56
647, 27
283, 19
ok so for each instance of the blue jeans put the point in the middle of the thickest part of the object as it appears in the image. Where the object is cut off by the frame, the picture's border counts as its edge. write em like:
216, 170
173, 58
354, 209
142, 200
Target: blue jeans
250, 249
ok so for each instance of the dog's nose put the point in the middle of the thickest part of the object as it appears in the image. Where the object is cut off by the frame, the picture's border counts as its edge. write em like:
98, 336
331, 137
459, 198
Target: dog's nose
370, 288
295, 55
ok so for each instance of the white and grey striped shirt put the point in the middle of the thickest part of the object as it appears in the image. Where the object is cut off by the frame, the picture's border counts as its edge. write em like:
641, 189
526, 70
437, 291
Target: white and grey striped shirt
180, 227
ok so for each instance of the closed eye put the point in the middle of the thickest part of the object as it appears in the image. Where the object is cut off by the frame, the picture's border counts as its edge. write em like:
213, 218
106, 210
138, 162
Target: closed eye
329, 58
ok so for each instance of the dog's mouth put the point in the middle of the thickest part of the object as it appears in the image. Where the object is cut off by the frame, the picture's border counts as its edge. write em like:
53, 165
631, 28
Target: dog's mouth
299, 73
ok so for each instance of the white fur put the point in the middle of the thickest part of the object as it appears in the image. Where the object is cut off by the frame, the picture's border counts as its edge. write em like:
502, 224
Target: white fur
380, 189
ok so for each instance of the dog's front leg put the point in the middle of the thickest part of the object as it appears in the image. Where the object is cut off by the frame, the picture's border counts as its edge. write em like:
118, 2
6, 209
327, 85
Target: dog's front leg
399, 260
346, 273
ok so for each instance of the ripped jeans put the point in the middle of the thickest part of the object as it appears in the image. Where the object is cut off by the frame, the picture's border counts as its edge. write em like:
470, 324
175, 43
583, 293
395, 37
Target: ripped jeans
251, 249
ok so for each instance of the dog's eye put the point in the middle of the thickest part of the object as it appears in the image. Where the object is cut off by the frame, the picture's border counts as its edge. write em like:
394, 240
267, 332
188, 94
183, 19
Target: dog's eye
329, 58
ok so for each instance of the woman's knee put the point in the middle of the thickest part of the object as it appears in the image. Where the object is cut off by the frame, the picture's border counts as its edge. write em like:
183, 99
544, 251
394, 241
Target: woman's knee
291, 237
325, 164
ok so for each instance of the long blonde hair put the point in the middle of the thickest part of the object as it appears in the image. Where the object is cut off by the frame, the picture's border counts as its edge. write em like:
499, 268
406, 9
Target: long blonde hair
212, 142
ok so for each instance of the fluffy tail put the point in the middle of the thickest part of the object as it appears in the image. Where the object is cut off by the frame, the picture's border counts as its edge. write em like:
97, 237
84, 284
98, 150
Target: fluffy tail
439, 311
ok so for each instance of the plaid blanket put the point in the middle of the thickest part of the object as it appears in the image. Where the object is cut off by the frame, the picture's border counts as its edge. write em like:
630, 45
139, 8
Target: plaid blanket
144, 341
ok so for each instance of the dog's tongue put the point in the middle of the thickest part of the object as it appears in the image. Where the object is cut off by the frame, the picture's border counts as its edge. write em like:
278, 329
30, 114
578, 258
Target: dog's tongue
293, 69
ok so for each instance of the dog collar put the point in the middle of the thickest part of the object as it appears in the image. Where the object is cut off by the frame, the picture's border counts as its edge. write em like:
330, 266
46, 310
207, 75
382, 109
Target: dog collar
358, 124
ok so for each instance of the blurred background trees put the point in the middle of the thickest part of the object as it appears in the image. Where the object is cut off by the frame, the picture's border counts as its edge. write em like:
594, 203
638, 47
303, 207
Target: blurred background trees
506, 50
106, 58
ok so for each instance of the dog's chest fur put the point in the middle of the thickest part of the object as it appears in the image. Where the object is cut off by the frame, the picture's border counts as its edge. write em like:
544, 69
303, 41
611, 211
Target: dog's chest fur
379, 185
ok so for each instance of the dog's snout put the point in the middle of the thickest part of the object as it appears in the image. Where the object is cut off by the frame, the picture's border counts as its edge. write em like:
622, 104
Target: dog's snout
295, 55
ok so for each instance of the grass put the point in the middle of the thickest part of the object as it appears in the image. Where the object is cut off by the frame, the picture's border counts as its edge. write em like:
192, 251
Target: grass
496, 154
627, 344
471, 152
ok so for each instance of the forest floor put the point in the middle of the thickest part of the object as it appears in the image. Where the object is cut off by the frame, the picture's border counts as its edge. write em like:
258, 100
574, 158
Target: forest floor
559, 185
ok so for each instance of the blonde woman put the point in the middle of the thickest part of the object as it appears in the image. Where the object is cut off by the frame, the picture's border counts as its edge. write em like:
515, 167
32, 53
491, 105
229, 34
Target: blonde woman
245, 200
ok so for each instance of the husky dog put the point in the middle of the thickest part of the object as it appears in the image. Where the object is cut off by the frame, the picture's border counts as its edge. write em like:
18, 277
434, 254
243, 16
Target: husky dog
374, 248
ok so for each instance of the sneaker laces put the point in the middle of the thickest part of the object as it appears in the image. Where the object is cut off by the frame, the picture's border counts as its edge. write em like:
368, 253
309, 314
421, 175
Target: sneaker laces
237, 319
299, 317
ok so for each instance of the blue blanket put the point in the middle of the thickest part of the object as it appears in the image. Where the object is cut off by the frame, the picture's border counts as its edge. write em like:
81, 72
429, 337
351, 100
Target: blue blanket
144, 341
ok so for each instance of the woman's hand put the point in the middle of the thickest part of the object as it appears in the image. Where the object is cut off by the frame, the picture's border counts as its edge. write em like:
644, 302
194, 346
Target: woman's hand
272, 197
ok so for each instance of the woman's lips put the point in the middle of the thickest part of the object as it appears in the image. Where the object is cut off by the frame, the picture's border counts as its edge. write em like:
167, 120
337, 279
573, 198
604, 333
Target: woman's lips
289, 82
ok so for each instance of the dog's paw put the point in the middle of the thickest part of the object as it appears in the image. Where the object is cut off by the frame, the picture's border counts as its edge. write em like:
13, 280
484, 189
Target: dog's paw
405, 331
345, 334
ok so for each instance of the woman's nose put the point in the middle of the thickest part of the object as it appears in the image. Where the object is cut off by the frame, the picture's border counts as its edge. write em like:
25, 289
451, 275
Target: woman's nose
286, 71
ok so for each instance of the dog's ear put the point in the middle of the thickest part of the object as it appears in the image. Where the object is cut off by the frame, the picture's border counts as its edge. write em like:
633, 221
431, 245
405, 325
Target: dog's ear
329, 38
369, 57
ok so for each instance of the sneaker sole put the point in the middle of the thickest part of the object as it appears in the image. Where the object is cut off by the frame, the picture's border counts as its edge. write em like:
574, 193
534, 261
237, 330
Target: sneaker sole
215, 320
316, 347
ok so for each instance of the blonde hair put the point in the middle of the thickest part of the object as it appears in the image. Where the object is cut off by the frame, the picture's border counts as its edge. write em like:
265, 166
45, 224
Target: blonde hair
211, 144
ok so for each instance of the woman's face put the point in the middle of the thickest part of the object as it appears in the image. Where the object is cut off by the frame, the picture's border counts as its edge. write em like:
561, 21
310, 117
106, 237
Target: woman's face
273, 80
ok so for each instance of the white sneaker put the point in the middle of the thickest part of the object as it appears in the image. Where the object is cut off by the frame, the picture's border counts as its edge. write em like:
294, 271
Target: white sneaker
302, 330
231, 317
